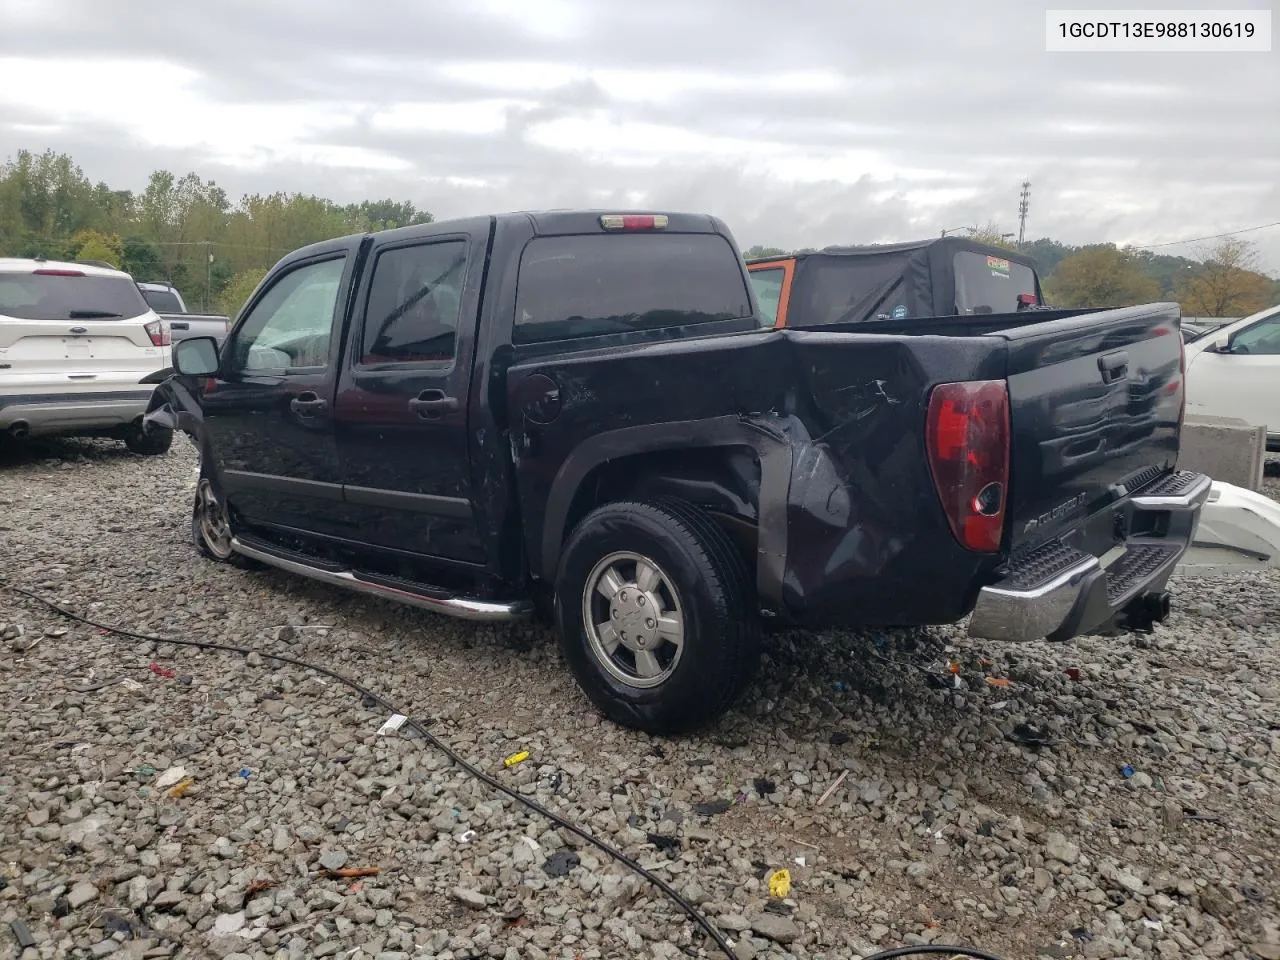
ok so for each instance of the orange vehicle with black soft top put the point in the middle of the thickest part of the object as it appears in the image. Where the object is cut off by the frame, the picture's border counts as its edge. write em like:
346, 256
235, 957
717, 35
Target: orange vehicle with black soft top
942, 277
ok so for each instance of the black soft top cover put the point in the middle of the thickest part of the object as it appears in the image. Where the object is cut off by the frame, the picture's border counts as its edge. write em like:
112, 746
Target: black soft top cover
915, 279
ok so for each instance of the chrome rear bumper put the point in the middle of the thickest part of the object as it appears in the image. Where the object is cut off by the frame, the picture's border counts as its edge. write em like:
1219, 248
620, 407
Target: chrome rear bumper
1059, 592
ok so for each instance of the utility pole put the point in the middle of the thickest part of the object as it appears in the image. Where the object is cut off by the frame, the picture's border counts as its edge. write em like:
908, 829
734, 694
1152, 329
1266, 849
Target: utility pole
208, 277
1024, 204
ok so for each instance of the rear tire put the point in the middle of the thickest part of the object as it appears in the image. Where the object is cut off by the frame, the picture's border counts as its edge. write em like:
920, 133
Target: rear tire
656, 615
152, 444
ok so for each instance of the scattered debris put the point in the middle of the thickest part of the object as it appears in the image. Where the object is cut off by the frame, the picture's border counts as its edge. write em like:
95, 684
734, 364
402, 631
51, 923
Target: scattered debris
780, 884
999, 682
466, 836
1029, 736
182, 787
333, 860
170, 777
258, 886
799, 861
1253, 894
712, 808
764, 787
1127, 770
832, 789
1072, 672
23, 935
163, 671
347, 873
663, 843
245, 773
560, 863
394, 723
515, 758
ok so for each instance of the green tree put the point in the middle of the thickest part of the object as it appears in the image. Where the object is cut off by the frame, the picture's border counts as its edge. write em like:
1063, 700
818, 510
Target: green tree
141, 259
1226, 285
1101, 276
237, 291
92, 245
991, 235
759, 251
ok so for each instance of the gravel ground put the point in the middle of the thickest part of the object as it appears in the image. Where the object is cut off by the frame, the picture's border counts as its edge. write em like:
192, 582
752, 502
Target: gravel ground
1117, 798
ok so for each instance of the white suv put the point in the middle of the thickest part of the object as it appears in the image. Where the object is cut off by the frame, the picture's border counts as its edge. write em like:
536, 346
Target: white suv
80, 352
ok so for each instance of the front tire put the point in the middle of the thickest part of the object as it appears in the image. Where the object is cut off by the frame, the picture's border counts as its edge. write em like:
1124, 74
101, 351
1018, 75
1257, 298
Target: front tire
153, 444
656, 615
210, 523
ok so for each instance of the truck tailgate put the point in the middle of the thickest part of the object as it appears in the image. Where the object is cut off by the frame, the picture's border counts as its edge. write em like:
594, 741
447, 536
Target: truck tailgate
1095, 409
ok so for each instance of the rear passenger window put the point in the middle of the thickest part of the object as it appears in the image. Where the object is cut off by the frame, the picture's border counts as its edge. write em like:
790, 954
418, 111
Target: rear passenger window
415, 299
592, 285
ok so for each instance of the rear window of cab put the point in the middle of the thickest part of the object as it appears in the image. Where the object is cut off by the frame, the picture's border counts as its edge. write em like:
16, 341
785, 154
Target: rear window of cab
584, 286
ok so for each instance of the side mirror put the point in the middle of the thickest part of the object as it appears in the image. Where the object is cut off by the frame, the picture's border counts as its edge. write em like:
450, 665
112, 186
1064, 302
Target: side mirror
196, 357
1221, 345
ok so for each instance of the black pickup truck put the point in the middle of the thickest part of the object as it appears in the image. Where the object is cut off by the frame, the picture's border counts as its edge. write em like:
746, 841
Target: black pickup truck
586, 413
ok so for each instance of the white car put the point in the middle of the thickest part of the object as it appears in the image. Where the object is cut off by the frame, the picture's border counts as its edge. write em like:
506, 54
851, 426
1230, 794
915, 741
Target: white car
1235, 372
80, 353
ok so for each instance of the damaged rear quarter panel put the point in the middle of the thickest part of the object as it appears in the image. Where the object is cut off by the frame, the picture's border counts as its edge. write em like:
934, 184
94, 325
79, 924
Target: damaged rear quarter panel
851, 529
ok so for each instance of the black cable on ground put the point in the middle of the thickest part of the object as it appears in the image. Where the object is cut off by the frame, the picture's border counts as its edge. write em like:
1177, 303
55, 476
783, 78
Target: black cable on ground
928, 949
420, 728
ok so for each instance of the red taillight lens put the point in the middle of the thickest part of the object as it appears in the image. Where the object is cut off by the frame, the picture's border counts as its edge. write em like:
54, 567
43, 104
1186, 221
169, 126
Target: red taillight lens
158, 331
1182, 376
967, 437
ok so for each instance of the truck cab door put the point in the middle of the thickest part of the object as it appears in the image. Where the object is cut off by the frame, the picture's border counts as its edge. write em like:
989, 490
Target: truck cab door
401, 410
268, 412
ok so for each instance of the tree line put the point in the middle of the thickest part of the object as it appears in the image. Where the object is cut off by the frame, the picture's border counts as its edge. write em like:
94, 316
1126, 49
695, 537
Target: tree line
185, 230
1223, 282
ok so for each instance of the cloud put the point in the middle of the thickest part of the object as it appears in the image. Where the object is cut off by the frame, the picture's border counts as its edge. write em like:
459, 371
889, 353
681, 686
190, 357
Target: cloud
807, 124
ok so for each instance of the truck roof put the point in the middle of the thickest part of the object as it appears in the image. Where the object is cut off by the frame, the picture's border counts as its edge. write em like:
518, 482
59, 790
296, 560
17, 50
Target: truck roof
934, 246
544, 222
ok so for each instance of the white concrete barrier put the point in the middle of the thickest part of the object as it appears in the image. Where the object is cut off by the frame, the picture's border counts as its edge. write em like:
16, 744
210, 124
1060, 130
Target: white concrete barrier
1226, 449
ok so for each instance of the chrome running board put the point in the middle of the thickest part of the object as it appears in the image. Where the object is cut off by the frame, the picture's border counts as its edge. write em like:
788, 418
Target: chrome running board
461, 607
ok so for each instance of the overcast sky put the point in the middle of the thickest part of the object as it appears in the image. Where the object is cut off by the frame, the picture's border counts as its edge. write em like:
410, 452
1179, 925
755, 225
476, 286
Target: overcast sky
800, 123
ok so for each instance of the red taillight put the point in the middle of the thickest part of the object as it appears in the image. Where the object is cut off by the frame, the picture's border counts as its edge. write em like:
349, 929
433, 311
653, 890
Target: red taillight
1182, 377
51, 272
967, 437
1027, 299
158, 331
633, 221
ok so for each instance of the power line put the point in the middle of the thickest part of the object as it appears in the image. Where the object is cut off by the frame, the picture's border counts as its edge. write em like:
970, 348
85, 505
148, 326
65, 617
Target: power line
1216, 236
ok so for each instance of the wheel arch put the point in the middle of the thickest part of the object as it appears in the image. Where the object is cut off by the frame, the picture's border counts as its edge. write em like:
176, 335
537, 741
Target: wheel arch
736, 468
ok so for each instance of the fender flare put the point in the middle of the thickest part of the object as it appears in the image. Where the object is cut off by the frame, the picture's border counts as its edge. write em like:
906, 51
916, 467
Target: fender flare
764, 435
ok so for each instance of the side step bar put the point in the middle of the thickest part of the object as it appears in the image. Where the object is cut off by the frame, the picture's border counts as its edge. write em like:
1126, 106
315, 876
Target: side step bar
462, 607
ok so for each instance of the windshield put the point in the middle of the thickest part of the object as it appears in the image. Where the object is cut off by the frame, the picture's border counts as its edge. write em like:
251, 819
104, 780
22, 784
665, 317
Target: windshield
162, 301
768, 287
37, 296
990, 284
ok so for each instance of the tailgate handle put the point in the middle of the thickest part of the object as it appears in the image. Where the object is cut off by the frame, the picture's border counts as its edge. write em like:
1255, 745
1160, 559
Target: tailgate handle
179, 325
1114, 366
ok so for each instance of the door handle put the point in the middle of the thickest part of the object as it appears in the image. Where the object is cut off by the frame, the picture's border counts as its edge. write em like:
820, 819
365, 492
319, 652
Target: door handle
179, 325
307, 404
1114, 366
429, 404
